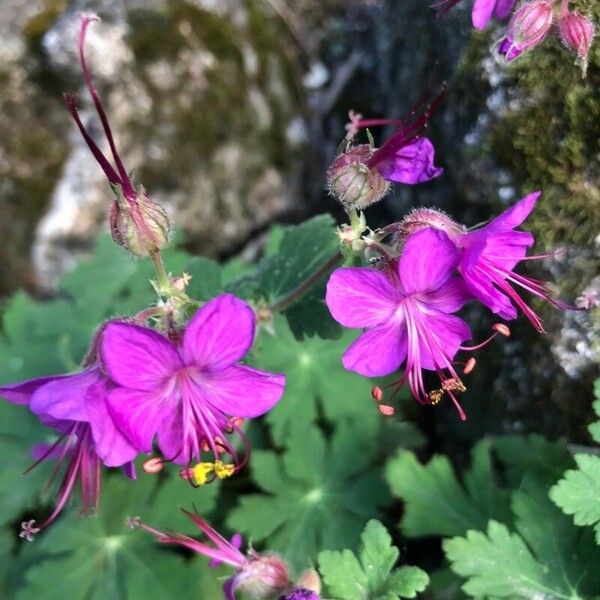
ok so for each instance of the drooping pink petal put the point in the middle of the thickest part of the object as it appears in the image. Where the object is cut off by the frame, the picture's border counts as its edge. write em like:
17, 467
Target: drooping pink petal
379, 351
109, 443
360, 297
138, 357
21, 392
513, 216
64, 398
411, 164
452, 296
139, 414
220, 333
481, 285
427, 261
243, 391
482, 13
503, 8
440, 336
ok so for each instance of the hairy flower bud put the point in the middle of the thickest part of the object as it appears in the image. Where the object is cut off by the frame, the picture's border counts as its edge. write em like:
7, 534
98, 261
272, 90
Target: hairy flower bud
264, 576
421, 218
528, 27
577, 32
140, 225
351, 181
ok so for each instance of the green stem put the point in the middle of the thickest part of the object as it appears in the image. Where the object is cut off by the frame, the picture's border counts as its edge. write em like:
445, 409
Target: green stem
307, 284
164, 285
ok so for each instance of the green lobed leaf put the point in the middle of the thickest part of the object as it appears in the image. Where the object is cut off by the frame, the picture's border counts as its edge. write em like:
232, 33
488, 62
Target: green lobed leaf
532, 456
317, 495
98, 557
578, 492
315, 381
436, 503
374, 577
292, 255
546, 557
497, 564
594, 428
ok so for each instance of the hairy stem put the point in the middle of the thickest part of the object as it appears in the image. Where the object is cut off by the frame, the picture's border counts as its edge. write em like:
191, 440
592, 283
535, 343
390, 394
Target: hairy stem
307, 284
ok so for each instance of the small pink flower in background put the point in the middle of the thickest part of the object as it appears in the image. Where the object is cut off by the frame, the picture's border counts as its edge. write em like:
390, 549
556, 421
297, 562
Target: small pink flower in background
489, 255
75, 406
260, 575
528, 27
187, 391
576, 32
483, 10
407, 314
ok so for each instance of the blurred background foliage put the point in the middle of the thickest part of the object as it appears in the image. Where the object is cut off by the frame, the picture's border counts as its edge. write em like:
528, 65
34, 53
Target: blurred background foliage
229, 112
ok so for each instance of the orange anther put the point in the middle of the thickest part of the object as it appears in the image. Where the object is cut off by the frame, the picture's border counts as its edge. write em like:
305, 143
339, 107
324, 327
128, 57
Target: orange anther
502, 329
153, 465
377, 393
386, 410
469, 365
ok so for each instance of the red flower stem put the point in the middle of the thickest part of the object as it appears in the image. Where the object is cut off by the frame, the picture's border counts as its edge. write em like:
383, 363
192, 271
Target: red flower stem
285, 302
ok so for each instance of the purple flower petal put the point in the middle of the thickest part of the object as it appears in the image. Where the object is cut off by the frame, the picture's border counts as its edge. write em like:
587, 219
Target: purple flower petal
507, 249
110, 444
482, 13
503, 8
427, 261
411, 164
482, 288
447, 332
358, 297
242, 391
171, 438
379, 351
513, 216
20, 393
220, 333
139, 415
452, 296
64, 398
138, 357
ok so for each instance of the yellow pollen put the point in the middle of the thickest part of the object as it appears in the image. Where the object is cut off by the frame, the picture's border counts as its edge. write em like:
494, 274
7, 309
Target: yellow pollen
223, 470
201, 472
436, 396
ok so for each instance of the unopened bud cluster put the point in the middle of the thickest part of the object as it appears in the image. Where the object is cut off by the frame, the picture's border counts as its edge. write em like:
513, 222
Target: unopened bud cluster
533, 21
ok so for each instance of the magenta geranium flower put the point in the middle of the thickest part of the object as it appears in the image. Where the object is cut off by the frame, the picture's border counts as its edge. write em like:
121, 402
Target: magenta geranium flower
75, 406
407, 314
489, 255
185, 391
261, 575
361, 174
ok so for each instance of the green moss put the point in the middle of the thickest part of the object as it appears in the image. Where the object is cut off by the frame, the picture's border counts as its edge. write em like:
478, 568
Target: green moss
552, 141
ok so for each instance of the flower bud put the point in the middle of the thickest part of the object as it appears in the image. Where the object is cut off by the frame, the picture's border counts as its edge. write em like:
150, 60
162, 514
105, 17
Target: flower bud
264, 576
351, 181
528, 27
139, 224
421, 218
576, 33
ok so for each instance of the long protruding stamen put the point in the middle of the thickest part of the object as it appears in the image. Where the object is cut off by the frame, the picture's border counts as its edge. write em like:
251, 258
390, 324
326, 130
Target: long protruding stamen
499, 329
